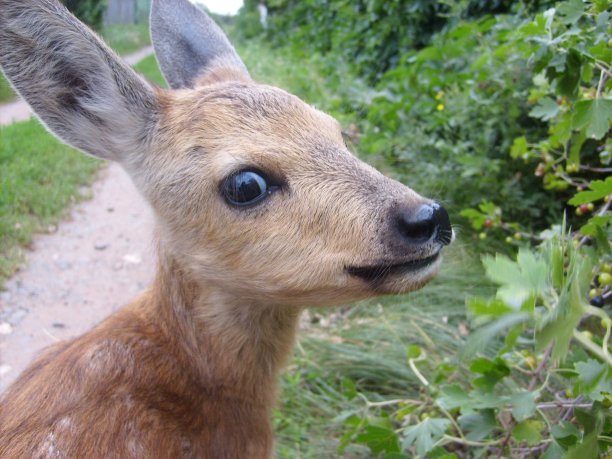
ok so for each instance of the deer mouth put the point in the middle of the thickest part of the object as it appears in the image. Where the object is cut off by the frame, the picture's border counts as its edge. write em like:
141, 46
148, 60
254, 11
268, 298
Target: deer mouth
378, 273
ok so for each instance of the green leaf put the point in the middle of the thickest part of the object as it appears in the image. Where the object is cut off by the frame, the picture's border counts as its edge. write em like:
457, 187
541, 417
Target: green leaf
593, 379
528, 431
569, 80
492, 372
598, 190
453, 396
478, 425
523, 404
488, 307
379, 439
414, 351
571, 11
598, 221
554, 451
519, 147
481, 338
546, 109
586, 450
565, 433
594, 115
518, 280
425, 434
559, 324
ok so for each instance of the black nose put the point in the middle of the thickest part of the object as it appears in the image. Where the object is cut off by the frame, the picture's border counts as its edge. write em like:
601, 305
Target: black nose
430, 221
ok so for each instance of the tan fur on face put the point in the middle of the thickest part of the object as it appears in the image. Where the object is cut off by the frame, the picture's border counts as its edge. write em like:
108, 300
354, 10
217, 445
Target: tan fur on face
293, 247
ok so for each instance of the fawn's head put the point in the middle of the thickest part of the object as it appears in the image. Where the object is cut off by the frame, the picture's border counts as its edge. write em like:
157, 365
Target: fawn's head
254, 190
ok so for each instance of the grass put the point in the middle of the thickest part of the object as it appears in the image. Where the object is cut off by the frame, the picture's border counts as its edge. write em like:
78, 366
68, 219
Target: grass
6, 92
127, 38
39, 178
150, 70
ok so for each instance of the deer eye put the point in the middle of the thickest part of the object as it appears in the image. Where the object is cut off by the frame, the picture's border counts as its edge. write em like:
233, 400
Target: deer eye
245, 188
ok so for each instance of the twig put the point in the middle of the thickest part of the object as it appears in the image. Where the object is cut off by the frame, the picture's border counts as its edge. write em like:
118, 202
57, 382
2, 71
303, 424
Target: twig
532, 384
587, 343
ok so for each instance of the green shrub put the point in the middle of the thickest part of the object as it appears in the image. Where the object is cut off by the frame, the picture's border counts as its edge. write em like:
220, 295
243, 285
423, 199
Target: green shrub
91, 12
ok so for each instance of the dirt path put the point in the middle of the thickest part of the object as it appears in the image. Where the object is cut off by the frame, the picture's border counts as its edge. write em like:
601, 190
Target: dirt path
96, 261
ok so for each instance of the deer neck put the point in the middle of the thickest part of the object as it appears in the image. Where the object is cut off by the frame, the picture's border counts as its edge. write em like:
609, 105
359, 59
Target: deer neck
233, 347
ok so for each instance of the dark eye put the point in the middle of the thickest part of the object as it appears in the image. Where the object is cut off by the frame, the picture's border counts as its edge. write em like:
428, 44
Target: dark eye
245, 188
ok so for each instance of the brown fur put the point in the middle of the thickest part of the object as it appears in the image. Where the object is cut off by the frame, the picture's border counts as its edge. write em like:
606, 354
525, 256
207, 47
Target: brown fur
189, 369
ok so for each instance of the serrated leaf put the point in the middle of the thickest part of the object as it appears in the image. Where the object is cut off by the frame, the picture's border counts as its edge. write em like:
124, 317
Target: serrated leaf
586, 450
519, 147
593, 379
569, 80
571, 11
425, 434
481, 338
546, 109
598, 190
590, 229
528, 431
379, 439
594, 115
518, 280
558, 326
488, 307
554, 451
478, 425
523, 404
453, 396
565, 433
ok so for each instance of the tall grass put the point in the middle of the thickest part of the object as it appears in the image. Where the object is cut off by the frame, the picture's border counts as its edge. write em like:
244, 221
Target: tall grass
357, 355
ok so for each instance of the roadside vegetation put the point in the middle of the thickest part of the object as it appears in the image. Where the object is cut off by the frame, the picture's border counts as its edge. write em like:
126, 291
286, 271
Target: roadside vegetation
39, 176
502, 111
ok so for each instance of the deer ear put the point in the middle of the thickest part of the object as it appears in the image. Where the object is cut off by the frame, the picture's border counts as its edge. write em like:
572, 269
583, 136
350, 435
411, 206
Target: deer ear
78, 87
188, 43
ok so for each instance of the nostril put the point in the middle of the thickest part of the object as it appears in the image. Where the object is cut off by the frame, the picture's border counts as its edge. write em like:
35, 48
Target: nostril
444, 234
430, 221
418, 227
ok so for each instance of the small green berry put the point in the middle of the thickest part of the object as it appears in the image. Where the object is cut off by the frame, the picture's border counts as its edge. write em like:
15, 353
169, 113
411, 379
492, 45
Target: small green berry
482, 236
604, 279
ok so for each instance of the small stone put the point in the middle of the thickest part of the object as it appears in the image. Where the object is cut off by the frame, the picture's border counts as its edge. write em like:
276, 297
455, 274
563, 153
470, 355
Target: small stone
51, 229
132, 258
118, 266
100, 245
110, 209
58, 325
5, 328
17, 316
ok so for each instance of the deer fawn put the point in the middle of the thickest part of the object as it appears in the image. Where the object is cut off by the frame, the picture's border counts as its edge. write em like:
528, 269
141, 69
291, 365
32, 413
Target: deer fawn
261, 211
